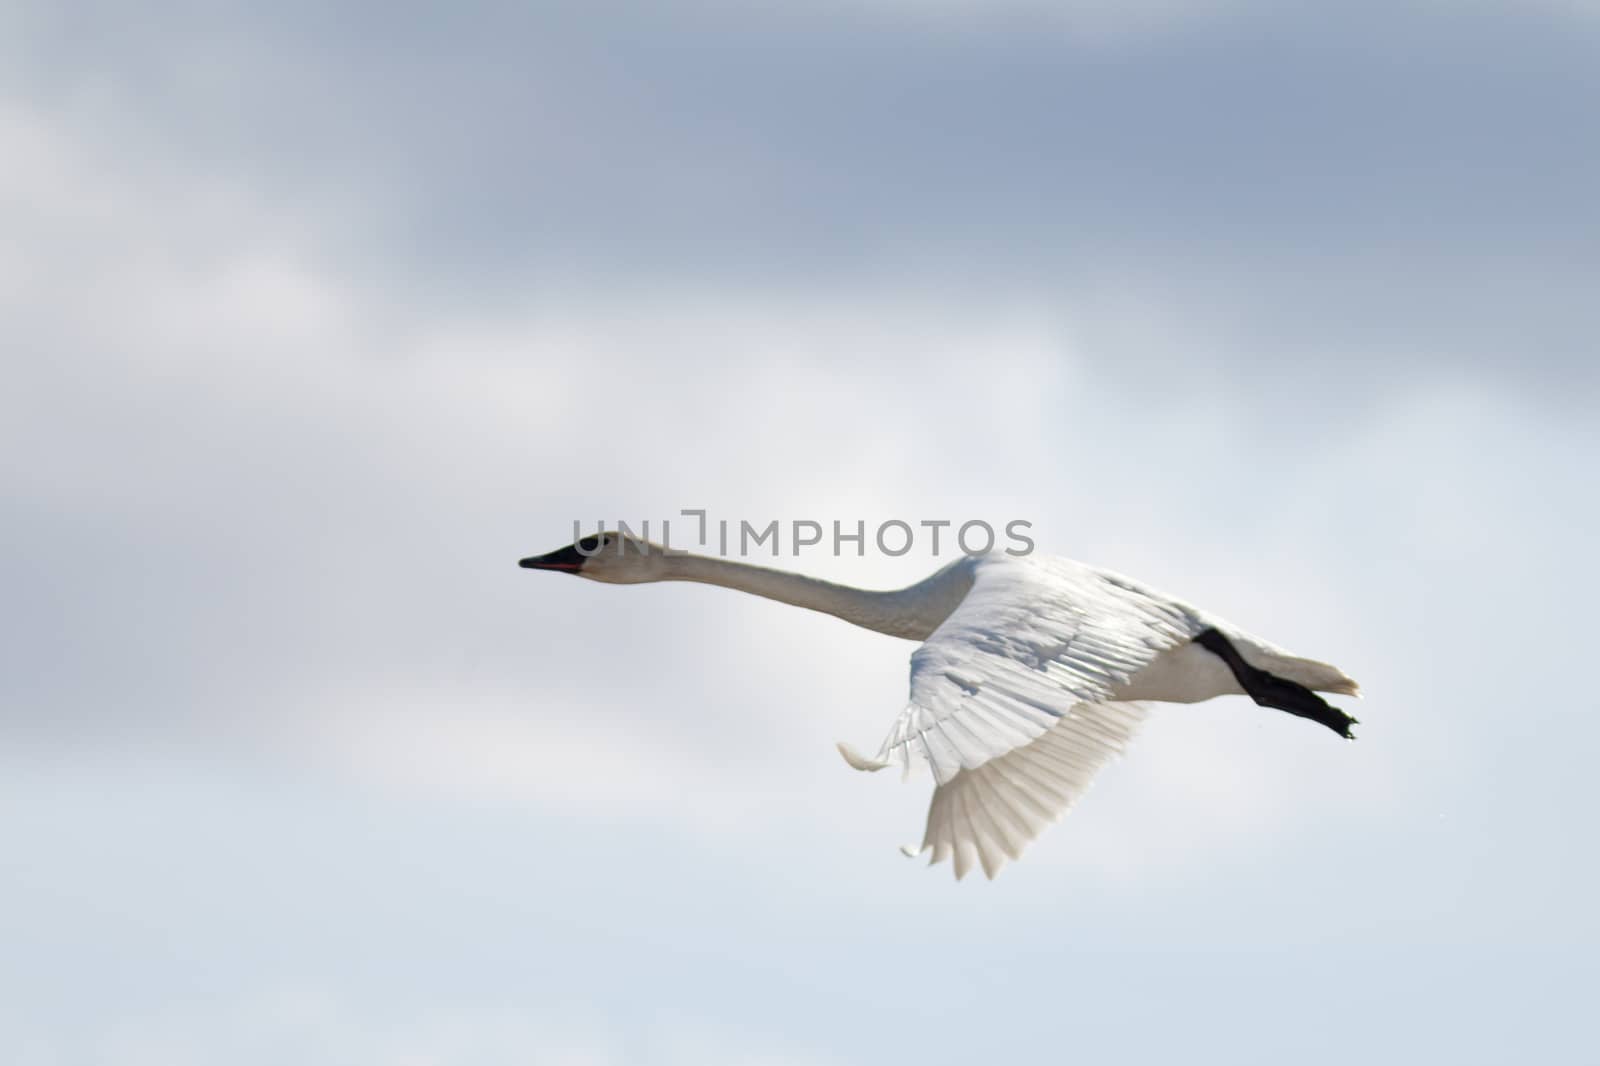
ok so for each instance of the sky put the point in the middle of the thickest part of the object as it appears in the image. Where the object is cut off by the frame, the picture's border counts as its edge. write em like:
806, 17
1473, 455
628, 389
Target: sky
316, 317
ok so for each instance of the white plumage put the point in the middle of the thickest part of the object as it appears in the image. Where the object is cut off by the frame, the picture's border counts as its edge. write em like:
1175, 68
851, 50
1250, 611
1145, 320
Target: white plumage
1032, 675
988, 814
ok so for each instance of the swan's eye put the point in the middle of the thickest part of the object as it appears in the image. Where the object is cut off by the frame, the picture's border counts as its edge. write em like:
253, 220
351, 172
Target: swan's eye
592, 543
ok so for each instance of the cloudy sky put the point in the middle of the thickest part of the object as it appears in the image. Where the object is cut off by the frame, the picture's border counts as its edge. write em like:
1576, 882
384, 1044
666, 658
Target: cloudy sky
316, 317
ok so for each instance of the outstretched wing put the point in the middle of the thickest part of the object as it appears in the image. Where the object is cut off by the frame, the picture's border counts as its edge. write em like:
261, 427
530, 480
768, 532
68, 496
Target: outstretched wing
1019, 680
990, 814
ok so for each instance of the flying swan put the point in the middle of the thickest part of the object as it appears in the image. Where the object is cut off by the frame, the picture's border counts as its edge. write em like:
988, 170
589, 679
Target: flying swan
1032, 674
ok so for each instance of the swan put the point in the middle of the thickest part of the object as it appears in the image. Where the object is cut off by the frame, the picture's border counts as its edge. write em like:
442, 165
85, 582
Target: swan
1033, 672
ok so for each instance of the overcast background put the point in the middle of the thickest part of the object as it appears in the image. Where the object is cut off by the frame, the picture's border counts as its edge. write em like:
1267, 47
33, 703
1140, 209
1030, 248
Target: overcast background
316, 317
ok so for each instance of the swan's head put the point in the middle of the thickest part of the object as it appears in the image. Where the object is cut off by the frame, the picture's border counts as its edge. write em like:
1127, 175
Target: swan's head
612, 557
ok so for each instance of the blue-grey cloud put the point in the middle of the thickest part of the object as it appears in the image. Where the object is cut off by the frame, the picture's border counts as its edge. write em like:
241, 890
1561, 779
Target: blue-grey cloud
1372, 177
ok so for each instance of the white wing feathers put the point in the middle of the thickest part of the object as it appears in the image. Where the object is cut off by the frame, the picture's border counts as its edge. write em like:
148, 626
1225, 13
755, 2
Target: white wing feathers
1011, 700
990, 814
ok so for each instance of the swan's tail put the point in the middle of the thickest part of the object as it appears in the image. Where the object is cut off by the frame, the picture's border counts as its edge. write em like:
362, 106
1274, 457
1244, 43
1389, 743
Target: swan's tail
1314, 675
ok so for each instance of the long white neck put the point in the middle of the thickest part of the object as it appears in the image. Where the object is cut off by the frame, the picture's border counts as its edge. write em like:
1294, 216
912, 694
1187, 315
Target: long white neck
913, 612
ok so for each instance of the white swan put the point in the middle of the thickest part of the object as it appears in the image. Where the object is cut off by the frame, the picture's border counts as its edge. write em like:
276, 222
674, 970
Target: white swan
1032, 674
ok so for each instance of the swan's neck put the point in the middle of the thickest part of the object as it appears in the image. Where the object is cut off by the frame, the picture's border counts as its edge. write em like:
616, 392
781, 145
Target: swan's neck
913, 612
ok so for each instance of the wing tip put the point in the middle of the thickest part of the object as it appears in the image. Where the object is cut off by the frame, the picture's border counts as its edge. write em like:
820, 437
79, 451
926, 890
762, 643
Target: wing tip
859, 761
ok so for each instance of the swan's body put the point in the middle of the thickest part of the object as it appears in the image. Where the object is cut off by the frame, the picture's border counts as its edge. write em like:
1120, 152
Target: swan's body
1032, 674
